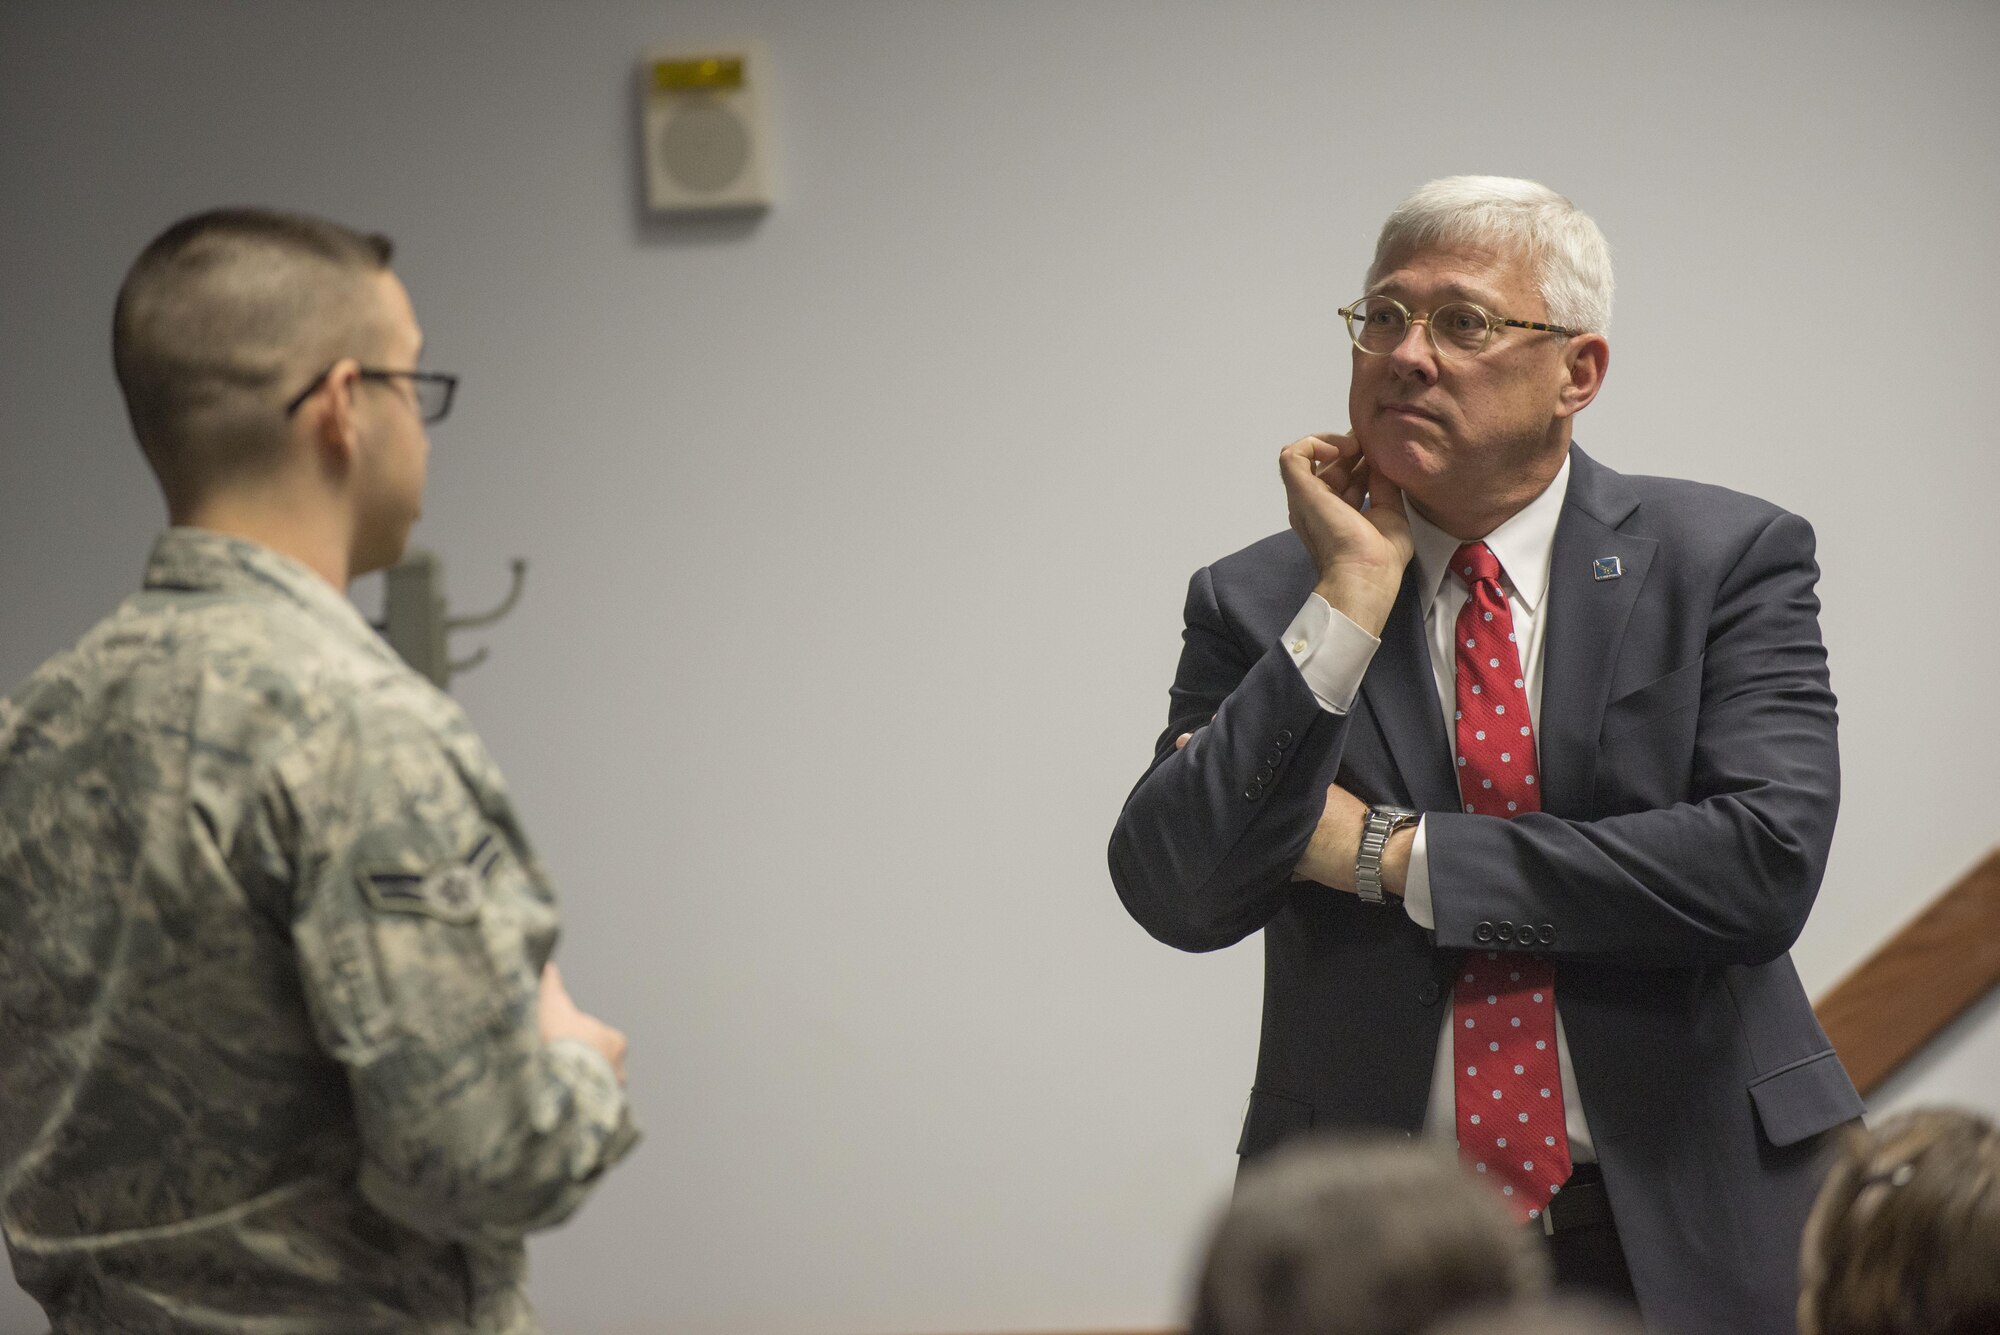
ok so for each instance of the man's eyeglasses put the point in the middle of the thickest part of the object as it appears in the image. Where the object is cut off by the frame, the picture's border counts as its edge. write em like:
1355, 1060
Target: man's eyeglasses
434, 390
1458, 329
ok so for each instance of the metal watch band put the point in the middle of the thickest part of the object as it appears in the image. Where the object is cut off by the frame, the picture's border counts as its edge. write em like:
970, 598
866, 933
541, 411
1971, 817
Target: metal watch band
1375, 831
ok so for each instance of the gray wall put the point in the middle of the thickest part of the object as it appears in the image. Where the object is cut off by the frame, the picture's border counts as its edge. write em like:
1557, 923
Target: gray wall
859, 535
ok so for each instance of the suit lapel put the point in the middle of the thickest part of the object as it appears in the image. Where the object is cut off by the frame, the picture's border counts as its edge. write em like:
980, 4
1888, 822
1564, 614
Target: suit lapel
1587, 620
1401, 695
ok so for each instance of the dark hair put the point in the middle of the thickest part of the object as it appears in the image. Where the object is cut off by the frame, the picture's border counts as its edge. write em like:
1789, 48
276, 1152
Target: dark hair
1567, 1314
1359, 1236
215, 319
1905, 1236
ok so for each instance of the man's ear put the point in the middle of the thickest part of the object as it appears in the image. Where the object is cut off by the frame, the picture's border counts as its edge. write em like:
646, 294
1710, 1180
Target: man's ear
336, 433
1585, 361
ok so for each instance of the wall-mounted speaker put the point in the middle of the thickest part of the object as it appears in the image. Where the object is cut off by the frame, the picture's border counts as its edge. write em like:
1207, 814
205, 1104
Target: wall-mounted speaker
707, 145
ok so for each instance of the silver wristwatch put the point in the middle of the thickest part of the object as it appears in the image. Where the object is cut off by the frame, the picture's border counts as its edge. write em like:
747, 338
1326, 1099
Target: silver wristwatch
1375, 831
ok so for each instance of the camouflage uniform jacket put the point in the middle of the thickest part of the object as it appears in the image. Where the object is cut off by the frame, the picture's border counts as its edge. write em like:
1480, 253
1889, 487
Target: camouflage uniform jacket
270, 940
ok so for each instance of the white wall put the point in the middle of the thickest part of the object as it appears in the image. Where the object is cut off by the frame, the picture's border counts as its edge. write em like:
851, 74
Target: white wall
858, 536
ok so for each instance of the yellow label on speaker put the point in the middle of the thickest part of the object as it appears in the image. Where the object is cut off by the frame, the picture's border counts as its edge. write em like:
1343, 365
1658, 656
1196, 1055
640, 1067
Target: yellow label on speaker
686, 76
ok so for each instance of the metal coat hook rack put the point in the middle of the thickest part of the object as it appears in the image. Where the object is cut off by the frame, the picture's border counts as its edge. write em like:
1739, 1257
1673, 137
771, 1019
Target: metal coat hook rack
415, 623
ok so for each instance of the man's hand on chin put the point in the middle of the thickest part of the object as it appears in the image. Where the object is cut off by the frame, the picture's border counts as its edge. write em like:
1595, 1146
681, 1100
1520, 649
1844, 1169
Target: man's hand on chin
1359, 553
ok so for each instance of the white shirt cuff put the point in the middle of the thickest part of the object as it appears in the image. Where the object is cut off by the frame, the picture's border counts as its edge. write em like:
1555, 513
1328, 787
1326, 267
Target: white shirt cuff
1331, 652
1417, 884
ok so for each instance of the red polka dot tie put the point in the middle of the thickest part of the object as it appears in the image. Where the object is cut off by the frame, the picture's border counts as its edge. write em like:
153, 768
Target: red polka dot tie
1511, 1128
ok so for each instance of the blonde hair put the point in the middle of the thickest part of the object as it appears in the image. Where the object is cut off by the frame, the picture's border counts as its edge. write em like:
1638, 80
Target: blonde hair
1905, 1236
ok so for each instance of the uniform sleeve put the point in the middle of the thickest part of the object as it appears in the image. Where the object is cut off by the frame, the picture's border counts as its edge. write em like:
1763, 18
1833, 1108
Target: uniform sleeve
422, 924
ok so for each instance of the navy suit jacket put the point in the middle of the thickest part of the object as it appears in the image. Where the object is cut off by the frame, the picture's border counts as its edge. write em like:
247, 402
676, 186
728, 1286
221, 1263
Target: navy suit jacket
1690, 781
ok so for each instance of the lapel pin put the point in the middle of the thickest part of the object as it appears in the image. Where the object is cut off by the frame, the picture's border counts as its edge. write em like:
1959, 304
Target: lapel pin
1606, 567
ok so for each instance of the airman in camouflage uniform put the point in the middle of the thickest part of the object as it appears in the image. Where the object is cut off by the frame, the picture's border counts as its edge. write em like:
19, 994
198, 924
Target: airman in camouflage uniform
272, 948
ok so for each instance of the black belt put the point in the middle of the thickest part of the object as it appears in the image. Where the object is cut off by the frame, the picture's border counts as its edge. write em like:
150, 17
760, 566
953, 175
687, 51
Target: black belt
1582, 1203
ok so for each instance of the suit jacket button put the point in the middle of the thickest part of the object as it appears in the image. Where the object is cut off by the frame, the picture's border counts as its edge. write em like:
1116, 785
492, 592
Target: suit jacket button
1427, 995
1255, 790
1483, 933
1283, 739
1547, 936
1276, 757
1504, 932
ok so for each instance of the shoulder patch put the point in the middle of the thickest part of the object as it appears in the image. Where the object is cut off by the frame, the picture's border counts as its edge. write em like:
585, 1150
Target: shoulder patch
449, 894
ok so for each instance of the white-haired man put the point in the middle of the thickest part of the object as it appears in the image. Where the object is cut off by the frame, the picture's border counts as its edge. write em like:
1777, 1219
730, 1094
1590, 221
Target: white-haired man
1527, 770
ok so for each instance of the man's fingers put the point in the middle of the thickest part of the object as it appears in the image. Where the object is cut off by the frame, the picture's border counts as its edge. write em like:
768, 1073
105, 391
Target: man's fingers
1296, 468
1385, 495
1330, 450
1387, 513
1356, 490
1300, 454
1182, 740
1323, 448
1315, 458
1330, 458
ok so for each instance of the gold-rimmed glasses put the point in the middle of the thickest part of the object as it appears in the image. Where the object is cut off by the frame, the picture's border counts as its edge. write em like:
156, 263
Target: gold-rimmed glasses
1456, 329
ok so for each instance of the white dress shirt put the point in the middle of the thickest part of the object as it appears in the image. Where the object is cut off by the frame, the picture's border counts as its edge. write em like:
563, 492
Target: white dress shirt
1333, 654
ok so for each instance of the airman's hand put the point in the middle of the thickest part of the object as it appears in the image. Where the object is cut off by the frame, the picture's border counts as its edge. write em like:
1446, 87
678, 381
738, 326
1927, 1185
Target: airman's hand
560, 1017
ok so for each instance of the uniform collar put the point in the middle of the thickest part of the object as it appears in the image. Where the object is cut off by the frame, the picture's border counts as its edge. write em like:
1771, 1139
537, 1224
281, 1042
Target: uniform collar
203, 561
1522, 545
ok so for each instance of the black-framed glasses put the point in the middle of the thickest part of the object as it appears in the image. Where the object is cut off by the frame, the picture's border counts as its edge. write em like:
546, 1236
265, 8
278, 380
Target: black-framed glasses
434, 390
1456, 329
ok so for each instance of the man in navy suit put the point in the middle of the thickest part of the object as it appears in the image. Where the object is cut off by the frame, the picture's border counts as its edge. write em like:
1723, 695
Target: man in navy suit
1667, 785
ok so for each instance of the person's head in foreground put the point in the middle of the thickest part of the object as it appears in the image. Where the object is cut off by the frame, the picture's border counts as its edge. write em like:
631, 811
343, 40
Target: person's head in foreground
1905, 1236
1556, 1316
1359, 1236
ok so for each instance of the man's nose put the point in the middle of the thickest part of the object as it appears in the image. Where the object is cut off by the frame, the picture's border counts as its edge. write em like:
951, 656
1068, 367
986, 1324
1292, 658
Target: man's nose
1416, 355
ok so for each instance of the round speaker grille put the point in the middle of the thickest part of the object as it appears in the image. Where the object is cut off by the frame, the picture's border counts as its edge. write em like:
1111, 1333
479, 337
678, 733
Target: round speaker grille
704, 148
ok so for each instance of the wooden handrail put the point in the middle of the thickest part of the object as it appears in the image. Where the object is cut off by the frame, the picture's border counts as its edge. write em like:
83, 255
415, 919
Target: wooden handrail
1919, 981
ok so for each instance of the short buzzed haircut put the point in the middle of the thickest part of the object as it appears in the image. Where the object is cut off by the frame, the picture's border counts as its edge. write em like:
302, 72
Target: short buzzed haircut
1360, 1236
225, 316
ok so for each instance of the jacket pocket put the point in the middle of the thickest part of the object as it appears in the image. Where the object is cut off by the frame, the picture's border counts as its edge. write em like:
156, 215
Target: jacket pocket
1805, 1098
1271, 1118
